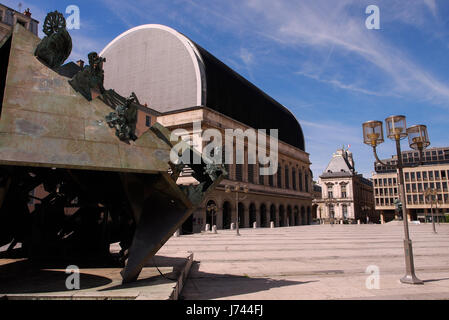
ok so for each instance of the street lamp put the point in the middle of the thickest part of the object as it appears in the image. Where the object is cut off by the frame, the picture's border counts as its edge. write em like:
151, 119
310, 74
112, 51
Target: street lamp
212, 209
431, 193
418, 139
237, 189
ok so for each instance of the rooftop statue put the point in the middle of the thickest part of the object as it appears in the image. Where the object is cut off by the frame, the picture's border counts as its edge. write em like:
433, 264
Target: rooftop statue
91, 77
56, 46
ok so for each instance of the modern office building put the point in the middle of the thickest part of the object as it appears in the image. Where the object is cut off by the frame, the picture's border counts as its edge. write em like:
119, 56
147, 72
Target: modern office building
193, 90
347, 197
432, 173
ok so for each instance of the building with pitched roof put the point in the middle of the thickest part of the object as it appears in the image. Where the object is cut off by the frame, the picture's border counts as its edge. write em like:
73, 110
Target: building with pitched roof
347, 197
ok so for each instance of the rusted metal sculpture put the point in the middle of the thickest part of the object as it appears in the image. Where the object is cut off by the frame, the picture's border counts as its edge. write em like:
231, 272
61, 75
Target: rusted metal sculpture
56, 46
68, 186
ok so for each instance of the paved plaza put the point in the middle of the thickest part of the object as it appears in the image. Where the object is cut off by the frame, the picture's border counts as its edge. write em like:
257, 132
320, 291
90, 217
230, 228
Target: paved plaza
314, 262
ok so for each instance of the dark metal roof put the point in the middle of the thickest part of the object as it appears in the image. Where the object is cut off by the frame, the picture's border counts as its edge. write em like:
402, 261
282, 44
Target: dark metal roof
230, 94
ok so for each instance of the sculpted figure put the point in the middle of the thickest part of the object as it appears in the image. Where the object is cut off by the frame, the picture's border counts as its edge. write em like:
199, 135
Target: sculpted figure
91, 77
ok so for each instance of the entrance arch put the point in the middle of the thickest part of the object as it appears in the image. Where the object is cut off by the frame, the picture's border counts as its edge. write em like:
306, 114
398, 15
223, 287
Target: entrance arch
241, 211
263, 215
273, 214
296, 214
227, 215
290, 216
303, 216
252, 214
282, 222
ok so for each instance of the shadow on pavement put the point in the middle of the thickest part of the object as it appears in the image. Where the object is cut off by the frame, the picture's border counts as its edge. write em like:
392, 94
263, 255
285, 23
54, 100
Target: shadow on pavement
21, 277
206, 286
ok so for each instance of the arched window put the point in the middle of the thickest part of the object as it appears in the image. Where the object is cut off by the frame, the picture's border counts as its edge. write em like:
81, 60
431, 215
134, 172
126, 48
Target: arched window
300, 180
287, 175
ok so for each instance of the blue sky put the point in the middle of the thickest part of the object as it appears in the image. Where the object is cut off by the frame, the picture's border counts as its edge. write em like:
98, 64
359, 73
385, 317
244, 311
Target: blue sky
316, 57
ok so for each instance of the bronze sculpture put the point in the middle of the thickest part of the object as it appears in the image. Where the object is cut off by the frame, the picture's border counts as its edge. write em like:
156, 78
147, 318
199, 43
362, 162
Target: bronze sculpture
56, 46
91, 77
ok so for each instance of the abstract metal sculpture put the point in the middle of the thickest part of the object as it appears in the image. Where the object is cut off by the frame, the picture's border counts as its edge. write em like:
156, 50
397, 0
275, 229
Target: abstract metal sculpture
56, 46
68, 187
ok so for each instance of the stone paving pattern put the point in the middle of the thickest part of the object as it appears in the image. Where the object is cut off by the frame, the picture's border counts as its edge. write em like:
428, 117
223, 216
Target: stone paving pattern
314, 262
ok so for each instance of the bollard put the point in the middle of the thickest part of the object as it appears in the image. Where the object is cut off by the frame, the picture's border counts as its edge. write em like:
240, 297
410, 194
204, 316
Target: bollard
358, 221
272, 225
341, 221
254, 225
207, 227
214, 229
233, 226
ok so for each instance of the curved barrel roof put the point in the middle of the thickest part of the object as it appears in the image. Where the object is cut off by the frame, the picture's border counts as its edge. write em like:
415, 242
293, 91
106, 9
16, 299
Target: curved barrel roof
170, 72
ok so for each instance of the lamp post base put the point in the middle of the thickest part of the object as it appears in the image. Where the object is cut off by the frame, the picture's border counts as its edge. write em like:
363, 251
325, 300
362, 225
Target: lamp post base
411, 279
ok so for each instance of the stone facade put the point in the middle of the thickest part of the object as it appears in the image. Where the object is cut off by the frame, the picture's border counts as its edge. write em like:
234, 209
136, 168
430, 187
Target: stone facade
284, 201
346, 196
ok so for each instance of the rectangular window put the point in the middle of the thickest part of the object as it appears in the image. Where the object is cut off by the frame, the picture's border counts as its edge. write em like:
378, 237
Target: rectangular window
330, 194
409, 199
437, 175
424, 175
407, 187
413, 187
420, 187
300, 181
415, 198
287, 175
444, 186
438, 185
148, 121
421, 199
418, 176
251, 173
238, 172
307, 182
443, 174
407, 176
394, 181
279, 177
389, 181
430, 175
412, 176
294, 178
